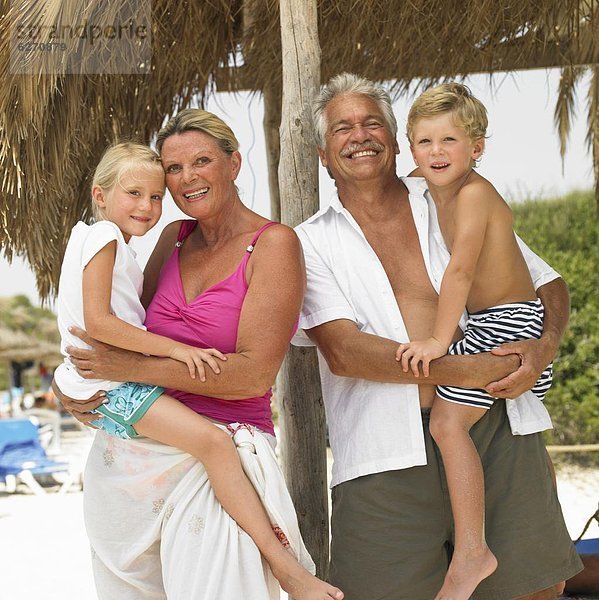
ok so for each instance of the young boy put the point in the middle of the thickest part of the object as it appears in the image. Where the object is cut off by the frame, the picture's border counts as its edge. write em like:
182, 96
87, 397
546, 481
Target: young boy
486, 275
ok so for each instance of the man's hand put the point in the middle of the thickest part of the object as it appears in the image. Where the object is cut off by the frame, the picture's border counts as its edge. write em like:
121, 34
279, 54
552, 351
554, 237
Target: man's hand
101, 361
81, 409
534, 356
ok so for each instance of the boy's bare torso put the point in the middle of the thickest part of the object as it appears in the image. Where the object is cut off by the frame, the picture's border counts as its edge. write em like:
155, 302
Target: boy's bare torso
501, 274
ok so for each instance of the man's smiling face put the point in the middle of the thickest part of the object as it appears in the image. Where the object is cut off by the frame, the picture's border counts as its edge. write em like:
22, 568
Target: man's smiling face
358, 143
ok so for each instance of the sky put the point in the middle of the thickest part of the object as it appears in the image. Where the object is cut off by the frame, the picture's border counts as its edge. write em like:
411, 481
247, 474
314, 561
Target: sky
522, 156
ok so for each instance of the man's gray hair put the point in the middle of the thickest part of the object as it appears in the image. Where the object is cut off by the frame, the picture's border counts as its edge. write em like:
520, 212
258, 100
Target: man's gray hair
345, 84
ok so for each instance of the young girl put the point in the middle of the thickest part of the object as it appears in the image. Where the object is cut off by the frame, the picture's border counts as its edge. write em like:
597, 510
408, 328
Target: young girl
99, 290
486, 275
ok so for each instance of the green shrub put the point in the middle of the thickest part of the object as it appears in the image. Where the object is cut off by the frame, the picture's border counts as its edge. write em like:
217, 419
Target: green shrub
565, 233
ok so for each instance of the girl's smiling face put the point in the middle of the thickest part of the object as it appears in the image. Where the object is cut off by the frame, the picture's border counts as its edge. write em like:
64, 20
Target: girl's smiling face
134, 204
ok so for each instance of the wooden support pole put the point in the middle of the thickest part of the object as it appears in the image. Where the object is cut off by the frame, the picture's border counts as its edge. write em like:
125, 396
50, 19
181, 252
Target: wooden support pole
271, 124
594, 129
303, 423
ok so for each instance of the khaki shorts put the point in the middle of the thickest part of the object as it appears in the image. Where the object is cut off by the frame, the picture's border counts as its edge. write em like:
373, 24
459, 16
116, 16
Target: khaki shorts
392, 532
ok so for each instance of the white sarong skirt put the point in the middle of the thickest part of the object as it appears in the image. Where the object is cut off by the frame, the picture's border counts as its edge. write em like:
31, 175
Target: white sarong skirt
157, 530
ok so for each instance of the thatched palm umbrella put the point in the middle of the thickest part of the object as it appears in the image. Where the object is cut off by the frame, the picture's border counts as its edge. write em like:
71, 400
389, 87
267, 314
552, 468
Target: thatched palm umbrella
33, 350
20, 347
11, 340
54, 126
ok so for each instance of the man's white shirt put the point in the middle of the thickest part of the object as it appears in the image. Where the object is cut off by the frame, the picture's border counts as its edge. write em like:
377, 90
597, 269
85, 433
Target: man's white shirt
373, 426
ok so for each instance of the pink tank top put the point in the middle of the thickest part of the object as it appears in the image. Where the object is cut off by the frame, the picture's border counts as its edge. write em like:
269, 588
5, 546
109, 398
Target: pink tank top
210, 320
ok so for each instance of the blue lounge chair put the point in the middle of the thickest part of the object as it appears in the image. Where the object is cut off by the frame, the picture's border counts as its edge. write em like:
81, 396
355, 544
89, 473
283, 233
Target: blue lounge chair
22, 456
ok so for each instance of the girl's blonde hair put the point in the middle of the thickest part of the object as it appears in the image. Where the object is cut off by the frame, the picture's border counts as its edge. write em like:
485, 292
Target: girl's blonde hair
118, 160
196, 119
469, 112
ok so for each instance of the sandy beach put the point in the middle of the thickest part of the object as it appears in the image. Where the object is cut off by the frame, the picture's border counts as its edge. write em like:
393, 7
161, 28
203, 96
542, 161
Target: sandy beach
44, 552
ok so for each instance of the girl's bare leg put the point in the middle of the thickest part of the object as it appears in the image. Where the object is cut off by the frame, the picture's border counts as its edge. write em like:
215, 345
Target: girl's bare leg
170, 422
472, 560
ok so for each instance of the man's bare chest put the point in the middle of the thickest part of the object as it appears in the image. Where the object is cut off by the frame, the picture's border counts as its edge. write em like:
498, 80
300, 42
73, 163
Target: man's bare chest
398, 249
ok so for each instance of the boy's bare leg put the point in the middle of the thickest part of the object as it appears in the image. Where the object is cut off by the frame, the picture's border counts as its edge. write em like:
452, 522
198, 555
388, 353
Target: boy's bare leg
472, 560
170, 422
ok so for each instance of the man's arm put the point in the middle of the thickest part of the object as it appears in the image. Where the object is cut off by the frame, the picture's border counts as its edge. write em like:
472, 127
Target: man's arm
535, 355
352, 353
556, 301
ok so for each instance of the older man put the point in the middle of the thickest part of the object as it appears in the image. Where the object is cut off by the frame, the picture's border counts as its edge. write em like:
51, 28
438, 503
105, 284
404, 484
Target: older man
375, 259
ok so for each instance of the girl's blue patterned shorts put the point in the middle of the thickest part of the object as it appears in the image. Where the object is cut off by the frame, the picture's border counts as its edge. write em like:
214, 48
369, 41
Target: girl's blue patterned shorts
126, 405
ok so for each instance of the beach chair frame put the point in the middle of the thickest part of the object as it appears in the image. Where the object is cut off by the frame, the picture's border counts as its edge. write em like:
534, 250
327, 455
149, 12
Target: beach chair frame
22, 457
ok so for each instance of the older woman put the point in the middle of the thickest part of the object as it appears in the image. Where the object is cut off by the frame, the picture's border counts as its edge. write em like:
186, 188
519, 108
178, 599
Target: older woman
227, 279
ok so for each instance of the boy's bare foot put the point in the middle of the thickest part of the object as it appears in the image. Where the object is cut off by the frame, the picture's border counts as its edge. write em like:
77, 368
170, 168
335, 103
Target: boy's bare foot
465, 573
302, 585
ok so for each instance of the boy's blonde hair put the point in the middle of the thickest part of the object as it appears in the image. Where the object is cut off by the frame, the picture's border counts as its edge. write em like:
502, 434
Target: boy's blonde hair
469, 112
196, 119
118, 160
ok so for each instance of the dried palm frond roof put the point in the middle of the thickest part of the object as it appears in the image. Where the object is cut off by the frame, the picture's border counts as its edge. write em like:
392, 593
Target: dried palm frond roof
55, 126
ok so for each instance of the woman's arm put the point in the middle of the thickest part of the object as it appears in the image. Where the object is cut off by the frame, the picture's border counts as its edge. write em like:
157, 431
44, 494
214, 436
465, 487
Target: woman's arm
81, 410
276, 283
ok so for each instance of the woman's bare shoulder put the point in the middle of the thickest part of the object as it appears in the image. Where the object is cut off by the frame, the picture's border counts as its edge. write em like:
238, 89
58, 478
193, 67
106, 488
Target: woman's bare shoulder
168, 237
171, 231
278, 238
162, 250
278, 232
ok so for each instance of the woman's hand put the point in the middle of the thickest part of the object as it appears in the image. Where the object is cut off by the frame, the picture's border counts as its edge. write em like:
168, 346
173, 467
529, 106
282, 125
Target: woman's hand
101, 361
80, 409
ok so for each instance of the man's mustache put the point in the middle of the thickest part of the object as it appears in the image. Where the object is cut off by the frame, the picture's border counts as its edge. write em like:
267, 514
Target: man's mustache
353, 148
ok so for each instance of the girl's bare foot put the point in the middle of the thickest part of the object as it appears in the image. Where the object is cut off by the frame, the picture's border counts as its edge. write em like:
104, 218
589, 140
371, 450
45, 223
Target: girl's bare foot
465, 573
302, 585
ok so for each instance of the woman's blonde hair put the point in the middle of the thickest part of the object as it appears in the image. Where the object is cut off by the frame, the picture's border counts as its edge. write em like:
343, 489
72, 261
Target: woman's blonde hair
118, 160
469, 112
196, 119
